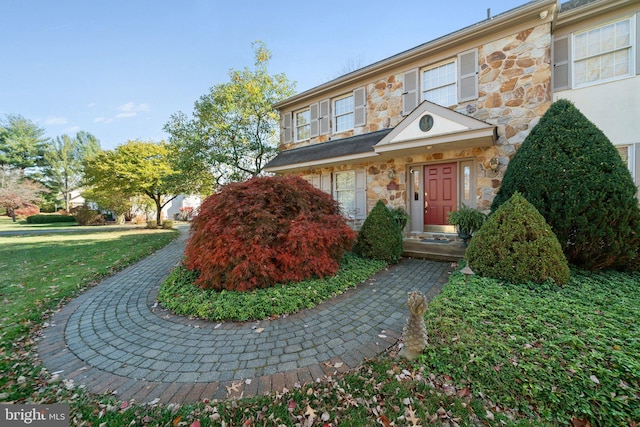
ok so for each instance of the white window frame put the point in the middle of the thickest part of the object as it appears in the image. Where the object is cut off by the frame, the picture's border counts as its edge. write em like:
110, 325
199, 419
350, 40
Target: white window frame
297, 127
630, 48
454, 84
337, 191
336, 115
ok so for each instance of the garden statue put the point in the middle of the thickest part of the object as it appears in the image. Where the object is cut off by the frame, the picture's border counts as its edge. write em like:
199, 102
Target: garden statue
414, 334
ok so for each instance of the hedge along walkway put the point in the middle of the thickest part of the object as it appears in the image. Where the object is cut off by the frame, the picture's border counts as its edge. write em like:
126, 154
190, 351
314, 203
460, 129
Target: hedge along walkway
115, 338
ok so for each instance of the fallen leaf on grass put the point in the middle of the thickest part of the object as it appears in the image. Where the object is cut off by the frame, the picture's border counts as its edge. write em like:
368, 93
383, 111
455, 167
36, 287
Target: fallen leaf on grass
310, 412
464, 392
411, 417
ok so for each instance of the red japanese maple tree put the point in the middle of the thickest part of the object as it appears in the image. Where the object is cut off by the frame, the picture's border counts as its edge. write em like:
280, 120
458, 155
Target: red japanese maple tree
264, 231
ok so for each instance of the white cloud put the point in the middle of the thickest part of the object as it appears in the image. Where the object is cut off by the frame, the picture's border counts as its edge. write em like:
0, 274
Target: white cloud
55, 121
126, 111
132, 107
126, 115
91, 104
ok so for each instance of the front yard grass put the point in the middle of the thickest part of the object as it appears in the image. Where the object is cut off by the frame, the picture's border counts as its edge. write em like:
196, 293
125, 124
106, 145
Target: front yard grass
39, 272
498, 354
550, 353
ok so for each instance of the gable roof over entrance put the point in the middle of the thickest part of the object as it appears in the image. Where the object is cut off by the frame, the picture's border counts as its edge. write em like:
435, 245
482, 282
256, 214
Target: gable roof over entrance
432, 127
443, 129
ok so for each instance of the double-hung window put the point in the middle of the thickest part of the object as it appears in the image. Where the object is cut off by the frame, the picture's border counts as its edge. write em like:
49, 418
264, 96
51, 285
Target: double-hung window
303, 124
344, 113
603, 53
345, 192
439, 84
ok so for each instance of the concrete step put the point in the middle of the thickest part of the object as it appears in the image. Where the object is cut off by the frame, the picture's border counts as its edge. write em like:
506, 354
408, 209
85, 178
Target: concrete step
431, 247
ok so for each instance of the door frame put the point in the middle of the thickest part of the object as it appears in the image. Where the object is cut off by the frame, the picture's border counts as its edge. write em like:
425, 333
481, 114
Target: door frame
466, 192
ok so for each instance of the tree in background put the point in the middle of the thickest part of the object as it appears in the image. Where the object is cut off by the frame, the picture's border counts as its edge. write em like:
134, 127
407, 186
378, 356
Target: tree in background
16, 191
64, 162
116, 201
22, 143
574, 176
233, 132
137, 168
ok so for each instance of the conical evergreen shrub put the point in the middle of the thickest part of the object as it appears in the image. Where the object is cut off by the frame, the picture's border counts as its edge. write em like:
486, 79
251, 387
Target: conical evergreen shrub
574, 176
517, 244
380, 236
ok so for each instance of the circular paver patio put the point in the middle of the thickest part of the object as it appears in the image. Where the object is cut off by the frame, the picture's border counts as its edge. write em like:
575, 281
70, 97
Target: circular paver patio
115, 338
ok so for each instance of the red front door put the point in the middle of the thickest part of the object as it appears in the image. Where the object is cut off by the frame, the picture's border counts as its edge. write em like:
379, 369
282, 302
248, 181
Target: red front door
440, 192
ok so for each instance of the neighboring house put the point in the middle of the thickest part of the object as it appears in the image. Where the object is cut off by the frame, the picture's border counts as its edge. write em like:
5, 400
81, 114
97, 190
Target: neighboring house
174, 207
435, 126
75, 199
597, 66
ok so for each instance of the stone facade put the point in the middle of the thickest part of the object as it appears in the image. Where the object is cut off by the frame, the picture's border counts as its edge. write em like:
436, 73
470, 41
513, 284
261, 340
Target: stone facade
514, 91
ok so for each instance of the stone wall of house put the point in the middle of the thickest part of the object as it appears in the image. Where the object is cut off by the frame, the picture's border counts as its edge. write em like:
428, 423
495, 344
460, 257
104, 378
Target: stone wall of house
514, 92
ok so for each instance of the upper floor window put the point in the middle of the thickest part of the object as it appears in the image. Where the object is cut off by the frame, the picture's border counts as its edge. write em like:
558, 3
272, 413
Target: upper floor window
447, 83
343, 113
603, 53
439, 84
303, 125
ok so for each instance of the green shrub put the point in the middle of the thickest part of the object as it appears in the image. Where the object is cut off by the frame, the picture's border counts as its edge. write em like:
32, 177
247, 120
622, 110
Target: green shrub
180, 295
380, 237
49, 219
152, 223
167, 224
467, 220
574, 176
87, 216
400, 217
516, 244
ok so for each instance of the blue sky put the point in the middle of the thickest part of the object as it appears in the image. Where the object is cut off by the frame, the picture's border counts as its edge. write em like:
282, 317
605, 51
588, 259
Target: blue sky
119, 69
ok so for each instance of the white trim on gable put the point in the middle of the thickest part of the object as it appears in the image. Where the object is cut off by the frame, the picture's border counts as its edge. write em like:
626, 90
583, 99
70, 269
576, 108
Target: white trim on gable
449, 130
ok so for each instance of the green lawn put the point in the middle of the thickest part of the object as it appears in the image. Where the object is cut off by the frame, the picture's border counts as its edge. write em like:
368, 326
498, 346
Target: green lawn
38, 272
499, 354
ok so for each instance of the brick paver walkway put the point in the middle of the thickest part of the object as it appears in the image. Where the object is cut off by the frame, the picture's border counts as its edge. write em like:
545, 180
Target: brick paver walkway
114, 338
